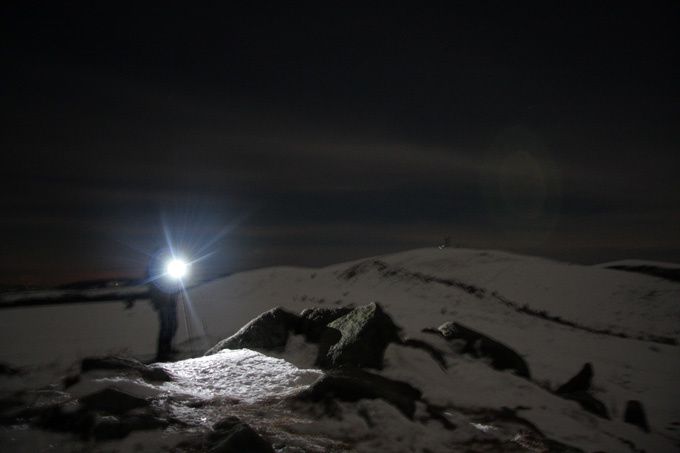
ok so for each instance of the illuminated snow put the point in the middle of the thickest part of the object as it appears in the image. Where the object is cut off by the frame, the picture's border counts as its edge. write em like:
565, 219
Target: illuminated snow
241, 374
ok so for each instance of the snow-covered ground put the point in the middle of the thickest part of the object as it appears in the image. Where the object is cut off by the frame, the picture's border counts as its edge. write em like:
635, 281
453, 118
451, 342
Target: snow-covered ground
558, 316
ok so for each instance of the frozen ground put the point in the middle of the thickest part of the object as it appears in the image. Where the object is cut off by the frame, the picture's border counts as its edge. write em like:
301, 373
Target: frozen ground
558, 316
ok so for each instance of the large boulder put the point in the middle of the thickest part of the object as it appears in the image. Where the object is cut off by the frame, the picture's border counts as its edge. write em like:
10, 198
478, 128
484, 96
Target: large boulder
358, 338
268, 332
353, 384
147, 372
314, 320
477, 344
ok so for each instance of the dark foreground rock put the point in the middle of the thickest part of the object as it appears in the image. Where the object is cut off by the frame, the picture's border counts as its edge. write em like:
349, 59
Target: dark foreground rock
358, 339
231, 435
268, 332
480, 345
105, 415
353, 384
147, 372
635, 415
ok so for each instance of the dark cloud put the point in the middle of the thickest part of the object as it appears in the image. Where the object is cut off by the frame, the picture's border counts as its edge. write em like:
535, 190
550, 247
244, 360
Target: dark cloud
311, 136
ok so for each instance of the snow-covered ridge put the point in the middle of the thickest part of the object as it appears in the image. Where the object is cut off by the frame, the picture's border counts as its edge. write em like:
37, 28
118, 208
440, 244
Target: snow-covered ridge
557, 316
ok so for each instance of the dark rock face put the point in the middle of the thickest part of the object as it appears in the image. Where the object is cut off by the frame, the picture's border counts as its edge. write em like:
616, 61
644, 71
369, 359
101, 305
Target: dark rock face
233, 436
358, 338
579, 383
268, 332
578, 389
480, 345
353, 384
635, 415
314, 320
113, 401
150, 373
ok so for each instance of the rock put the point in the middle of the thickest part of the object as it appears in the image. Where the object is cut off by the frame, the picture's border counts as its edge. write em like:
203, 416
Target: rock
6, 370
436, 354
314, 320
579, 383
577, 389
106, 427
233, 436
353, 384
65, 417
268, 332
149, 373
358, 338
113, 401
588, 402
635, 415
479, 345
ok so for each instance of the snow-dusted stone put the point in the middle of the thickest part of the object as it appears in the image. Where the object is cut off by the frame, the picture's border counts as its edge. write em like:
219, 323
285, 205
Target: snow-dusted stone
358, 338
314, 320
353, 384
635, 415
149, 373
233, 436
480, 345
268, 332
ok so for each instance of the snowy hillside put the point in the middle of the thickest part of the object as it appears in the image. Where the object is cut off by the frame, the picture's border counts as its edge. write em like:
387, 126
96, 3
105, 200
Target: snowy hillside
556, 316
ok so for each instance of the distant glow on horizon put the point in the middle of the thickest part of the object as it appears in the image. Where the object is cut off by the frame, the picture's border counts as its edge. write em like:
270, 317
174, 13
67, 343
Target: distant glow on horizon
177, 268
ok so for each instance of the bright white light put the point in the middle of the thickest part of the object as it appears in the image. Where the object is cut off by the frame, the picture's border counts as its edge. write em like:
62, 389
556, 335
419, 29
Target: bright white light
176, 268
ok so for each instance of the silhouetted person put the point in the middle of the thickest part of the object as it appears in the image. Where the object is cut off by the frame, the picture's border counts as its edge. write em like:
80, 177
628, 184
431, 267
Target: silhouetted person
163, 293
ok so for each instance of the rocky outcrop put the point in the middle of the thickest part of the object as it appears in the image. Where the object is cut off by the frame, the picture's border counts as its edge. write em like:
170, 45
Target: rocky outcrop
635, 415
147, 372
578, 389
357, 339
477, 344
268, 332
231, 435
353, 384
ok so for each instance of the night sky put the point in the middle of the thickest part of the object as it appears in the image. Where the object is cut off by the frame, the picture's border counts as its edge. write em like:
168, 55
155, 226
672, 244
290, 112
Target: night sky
317, 134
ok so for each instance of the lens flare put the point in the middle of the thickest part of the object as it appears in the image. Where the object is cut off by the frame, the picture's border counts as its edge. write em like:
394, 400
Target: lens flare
176, 268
